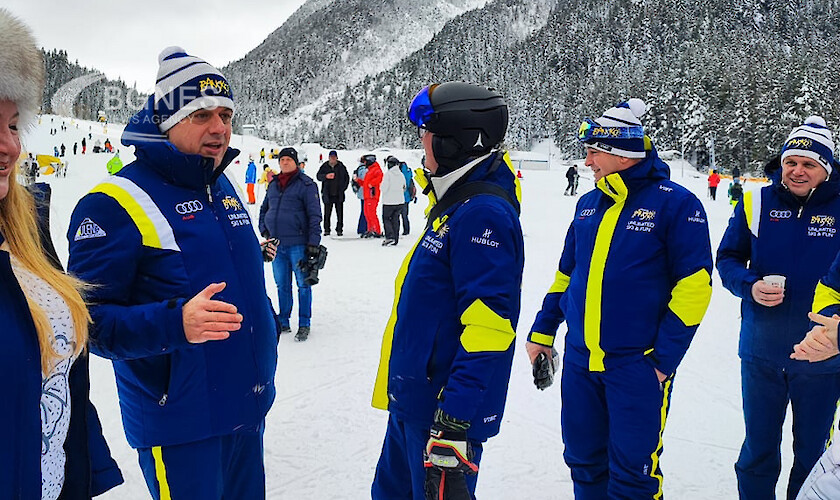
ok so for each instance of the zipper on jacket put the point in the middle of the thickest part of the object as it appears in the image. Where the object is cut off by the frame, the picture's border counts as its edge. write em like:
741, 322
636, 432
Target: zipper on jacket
163, 399
209, 193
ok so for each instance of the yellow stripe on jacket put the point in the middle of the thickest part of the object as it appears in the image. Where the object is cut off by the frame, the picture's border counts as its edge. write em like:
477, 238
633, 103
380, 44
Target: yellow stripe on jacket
615, 188
380, 387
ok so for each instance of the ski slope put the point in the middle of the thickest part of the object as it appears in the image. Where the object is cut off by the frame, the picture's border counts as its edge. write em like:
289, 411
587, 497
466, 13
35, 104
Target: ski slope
322, 437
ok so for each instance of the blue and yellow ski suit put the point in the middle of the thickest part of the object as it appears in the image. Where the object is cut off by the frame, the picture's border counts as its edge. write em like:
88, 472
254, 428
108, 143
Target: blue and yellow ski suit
633, 284
449, 341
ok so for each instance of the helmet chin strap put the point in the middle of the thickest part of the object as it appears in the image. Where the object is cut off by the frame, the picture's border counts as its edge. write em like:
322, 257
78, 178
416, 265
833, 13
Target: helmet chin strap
449, 155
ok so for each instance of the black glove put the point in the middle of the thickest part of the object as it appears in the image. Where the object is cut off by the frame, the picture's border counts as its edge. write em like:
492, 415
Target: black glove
448, 458
544, 368
269, 249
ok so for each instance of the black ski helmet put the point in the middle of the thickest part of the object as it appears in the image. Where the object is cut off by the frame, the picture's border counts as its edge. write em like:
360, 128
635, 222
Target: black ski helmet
467, 121
368, 159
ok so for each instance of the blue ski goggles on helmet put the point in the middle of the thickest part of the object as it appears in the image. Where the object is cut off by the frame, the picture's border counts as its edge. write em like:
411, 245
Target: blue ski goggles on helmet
420, 109
591, 131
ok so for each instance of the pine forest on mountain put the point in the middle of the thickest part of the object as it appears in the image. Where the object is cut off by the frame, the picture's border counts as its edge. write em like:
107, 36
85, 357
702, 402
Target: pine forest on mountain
341, 72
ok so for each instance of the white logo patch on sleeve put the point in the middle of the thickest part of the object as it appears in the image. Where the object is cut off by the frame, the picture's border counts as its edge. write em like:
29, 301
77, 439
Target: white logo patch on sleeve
89, 229
486, 239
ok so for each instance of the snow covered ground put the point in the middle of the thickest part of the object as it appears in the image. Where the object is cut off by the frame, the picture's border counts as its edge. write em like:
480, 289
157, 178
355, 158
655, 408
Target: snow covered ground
323, 438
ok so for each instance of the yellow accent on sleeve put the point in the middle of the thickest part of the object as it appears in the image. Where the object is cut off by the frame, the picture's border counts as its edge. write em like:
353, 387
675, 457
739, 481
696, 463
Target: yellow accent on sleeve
690, 297
542, 339
135, 211
824, 296
380, 387
160, 473
561, 283
484, 330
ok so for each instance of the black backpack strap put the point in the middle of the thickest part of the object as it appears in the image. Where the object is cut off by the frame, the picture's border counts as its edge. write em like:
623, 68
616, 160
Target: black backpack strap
465, 192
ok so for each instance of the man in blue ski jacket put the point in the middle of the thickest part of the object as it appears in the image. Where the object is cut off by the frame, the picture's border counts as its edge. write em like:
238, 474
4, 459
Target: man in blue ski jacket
786, 229
178, 297
448, 345
632, 285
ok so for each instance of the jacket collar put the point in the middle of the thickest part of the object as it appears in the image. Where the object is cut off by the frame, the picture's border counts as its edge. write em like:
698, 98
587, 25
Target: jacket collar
618, 185
442, 184
153, 149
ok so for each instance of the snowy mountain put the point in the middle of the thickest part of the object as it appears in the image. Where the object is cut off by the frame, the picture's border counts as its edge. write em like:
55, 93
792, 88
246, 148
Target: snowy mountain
328, 45
739, 73
91, 93
723, 75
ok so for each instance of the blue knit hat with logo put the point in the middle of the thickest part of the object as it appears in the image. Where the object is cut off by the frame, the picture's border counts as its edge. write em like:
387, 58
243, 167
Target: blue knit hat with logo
813, 140
186, 84
618, 131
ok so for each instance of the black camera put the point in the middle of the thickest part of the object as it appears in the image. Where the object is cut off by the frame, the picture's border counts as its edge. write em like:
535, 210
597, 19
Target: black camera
313, 261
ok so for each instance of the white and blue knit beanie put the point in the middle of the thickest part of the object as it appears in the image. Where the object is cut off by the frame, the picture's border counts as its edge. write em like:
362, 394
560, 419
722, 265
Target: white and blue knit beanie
620, 132
186, 84
813, 140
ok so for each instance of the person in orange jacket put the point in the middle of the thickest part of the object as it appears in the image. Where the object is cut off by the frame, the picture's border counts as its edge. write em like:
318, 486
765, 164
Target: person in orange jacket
370, 185
714, 180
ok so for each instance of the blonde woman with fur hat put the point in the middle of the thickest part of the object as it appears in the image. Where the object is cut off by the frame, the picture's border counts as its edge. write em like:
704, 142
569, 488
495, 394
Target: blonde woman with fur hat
45, 454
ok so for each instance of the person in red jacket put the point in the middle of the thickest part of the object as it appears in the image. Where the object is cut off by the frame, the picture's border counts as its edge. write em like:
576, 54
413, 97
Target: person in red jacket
370, 185
714, 180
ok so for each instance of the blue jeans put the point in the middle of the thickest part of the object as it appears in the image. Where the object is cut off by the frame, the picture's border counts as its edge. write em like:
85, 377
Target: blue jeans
284, 264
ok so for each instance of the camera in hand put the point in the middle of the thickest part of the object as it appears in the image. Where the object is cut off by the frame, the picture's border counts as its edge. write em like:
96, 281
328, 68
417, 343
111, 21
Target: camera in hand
313, 261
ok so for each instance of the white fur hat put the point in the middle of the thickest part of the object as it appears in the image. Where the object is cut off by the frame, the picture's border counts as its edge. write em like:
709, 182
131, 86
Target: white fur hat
21, 68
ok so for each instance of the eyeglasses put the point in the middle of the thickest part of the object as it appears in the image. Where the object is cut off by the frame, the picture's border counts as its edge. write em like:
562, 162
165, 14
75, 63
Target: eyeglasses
420, 111
590, 131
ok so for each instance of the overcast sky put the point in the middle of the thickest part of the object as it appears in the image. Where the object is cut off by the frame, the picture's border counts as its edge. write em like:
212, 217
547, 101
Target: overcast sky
123, 39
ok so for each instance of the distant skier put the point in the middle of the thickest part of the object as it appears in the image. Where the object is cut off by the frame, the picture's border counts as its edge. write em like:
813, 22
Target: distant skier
75, 148
250, 180
114, 165
334, 181
62, 150
370, 190
356, 184
393, 200
714, 180
84, 145
736, 192
262, 155
572, 178
410, 195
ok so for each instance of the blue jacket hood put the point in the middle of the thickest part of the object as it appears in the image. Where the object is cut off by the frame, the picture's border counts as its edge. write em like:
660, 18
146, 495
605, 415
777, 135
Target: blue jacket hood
154, 149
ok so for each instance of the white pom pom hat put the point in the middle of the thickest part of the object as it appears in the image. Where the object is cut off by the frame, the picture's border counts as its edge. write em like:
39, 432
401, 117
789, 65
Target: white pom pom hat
813, 140
618, 131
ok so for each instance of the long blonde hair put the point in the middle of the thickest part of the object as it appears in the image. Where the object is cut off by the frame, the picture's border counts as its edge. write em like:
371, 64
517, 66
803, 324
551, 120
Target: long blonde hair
18, 224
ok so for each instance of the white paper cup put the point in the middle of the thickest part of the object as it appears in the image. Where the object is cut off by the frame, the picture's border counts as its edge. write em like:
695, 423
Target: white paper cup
775, 280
